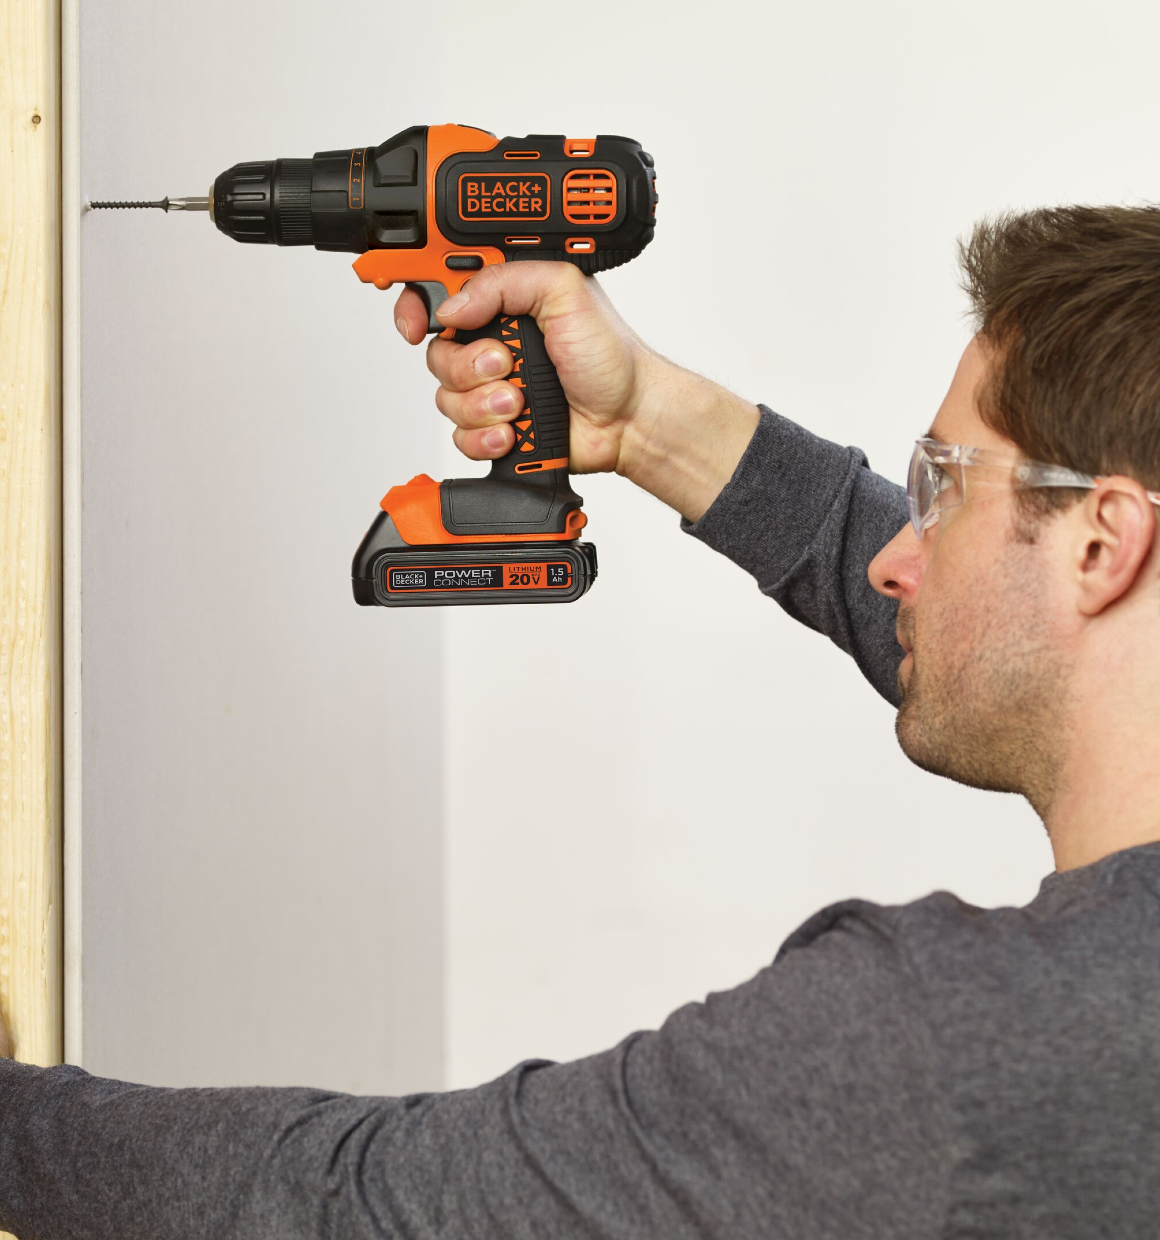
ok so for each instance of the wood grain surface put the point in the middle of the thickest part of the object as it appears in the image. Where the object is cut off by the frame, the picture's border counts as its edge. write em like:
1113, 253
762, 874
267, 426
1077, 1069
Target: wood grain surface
30, 535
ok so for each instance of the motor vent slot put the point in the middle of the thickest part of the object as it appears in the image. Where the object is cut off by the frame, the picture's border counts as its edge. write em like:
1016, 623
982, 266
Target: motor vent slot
590, 196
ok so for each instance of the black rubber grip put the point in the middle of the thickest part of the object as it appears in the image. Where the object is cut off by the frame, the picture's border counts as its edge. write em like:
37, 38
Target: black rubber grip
542, 425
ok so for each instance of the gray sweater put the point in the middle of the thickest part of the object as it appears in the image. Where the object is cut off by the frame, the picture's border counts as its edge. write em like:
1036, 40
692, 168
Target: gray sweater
926, 1070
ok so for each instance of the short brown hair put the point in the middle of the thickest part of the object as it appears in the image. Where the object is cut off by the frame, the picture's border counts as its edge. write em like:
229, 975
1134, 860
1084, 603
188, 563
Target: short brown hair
1069, 300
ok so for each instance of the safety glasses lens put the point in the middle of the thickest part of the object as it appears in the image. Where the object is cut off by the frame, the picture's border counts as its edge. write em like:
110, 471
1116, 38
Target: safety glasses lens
920, 489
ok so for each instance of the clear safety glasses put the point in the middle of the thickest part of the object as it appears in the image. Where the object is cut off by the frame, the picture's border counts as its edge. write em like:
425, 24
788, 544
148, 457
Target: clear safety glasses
938, 477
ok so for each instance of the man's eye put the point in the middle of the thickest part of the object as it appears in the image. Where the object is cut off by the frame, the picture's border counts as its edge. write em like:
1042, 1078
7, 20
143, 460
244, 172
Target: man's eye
946, 481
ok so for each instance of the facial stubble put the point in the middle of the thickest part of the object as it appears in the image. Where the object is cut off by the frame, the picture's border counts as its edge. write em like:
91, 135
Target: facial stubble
987, 712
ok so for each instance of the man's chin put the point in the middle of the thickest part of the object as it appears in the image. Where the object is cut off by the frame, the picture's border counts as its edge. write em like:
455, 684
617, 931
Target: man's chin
943, 746
927, 741
907, 726
920, 746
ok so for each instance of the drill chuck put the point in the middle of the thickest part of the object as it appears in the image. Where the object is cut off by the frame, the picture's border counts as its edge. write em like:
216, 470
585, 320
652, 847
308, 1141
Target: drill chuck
351, 200
266, 202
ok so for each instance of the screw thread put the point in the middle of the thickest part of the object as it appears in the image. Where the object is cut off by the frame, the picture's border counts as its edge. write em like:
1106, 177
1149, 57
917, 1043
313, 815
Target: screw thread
163, 204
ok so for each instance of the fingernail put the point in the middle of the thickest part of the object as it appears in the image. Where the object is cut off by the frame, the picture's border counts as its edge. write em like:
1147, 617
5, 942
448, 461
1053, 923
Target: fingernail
404, 330
453, 304
495, 439
502, 400
489, 363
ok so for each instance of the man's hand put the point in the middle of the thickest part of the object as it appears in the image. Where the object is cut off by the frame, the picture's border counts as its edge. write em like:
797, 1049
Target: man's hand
632, 411
600, 360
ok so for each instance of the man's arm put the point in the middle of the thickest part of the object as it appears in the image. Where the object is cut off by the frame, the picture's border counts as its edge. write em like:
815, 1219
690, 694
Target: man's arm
806, 517
800, 513
806, 1102
803, 515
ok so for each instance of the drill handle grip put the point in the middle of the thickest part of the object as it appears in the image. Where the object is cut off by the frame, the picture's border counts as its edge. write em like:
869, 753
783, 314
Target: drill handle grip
542, 425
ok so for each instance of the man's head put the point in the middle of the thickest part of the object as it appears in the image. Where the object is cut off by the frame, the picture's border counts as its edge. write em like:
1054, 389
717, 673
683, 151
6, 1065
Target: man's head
1032, 613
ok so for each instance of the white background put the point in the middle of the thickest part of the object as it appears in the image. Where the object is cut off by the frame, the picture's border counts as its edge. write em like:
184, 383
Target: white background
328, 844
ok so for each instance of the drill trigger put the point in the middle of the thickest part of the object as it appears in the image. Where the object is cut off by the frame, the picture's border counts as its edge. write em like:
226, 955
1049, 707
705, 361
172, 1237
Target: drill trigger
434, 295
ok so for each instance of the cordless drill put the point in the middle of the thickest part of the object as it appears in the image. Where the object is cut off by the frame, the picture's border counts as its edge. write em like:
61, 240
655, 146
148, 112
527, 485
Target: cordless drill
428, 208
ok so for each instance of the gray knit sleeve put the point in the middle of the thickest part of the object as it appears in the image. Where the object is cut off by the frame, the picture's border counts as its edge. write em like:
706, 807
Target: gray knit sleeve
805, 1102
806, 517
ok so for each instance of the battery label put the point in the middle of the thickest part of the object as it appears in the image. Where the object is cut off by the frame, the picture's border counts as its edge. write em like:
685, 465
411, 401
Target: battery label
492, 196
479, 577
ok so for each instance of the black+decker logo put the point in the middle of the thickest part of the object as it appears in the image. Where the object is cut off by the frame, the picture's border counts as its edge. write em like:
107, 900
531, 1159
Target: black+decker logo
490, 196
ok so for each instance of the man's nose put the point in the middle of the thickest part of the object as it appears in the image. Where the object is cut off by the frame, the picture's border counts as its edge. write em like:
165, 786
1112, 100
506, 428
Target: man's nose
896, 570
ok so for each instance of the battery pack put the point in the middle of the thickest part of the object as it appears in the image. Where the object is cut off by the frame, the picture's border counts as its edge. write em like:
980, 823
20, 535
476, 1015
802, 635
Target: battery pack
447, 575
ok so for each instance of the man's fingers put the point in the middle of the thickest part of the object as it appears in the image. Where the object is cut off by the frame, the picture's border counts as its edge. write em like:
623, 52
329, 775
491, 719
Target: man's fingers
484, 445
462, 367
411, 317
473, 392
485, 406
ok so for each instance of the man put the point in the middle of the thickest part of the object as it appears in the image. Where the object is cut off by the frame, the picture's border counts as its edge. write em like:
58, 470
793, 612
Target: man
916, 1071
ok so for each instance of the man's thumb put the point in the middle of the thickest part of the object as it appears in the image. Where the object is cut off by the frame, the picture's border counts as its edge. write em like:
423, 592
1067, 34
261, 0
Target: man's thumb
509, 288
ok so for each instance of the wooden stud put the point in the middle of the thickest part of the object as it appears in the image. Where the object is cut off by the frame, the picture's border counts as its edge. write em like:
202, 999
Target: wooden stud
30, 529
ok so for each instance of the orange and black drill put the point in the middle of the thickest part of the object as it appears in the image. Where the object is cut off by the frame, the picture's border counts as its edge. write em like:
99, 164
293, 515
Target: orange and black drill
428, 208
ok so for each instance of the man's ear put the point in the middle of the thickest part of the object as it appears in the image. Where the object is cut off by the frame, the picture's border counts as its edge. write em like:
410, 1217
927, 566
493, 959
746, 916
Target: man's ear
1113, 541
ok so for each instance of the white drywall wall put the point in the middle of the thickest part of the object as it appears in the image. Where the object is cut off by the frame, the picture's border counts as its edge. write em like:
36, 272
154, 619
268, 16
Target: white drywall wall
262, 890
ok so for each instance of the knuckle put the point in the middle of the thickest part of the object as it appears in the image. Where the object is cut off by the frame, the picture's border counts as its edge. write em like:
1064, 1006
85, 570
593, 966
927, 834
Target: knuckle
449, 405
463, 371
467, 443
434, 357
490, 277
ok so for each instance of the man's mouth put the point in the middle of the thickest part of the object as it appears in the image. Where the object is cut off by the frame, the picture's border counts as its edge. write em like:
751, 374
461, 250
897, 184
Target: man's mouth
904, 627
